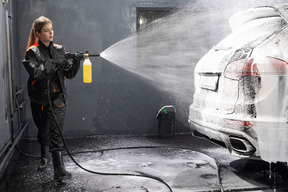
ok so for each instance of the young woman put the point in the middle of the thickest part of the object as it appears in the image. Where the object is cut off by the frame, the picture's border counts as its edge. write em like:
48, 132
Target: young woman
48, 66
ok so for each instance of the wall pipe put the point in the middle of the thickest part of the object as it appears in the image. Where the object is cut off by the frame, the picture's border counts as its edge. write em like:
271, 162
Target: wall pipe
7, 145
9, 76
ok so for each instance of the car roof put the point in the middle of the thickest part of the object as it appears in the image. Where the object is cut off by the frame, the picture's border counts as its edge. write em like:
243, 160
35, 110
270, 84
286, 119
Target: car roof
241, 18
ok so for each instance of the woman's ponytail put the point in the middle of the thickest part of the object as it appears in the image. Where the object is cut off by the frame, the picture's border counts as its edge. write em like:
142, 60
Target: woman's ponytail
32, 38
37, 25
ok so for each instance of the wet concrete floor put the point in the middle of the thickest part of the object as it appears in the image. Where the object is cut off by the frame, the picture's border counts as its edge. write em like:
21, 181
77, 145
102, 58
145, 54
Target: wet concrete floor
138, 163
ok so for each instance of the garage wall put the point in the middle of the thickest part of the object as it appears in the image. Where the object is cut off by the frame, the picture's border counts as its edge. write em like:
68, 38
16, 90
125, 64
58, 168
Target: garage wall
117, 102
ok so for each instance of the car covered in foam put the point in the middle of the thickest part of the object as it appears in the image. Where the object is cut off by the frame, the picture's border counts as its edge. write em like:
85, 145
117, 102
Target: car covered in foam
240, 98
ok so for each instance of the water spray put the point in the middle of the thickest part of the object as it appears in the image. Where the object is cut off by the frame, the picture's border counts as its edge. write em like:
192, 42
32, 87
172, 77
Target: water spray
87, 67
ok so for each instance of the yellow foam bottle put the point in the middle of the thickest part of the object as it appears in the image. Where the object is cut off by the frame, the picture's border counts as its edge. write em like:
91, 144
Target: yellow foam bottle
87, 70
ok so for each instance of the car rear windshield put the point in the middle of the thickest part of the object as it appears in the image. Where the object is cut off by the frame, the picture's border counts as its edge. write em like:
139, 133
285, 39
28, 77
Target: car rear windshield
252, 33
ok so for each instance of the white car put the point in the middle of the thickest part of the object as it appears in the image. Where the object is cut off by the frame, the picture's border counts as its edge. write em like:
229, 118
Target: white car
240, 98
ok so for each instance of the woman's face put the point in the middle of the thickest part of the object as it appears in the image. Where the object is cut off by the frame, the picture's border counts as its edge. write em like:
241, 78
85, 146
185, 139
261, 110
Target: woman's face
46, 34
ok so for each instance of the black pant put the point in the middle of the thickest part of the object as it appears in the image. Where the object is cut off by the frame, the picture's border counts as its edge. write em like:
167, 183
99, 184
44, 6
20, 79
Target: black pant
48, 131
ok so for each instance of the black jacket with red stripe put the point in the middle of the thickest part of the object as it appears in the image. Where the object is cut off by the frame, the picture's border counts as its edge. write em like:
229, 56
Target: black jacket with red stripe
41, 64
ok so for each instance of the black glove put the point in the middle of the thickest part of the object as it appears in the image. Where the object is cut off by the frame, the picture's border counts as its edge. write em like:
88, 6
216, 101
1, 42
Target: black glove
63, 63
79, 56
69, 55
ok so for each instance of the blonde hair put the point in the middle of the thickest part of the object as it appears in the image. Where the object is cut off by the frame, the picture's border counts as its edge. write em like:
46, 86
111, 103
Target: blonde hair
37, 25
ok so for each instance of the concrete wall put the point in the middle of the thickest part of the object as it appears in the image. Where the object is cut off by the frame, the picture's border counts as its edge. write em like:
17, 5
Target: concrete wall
117, 102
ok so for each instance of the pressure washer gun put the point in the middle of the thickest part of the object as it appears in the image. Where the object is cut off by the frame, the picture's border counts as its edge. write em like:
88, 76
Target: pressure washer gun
87, 67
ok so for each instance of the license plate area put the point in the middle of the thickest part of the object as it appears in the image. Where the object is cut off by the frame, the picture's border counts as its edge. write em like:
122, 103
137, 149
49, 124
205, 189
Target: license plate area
209, 81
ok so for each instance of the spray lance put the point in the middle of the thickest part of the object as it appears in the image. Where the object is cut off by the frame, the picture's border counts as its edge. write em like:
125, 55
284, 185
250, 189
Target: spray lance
87, 67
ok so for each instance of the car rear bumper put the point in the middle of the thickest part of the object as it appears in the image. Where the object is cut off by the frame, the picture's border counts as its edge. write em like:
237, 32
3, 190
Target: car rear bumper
265, 138
237, 135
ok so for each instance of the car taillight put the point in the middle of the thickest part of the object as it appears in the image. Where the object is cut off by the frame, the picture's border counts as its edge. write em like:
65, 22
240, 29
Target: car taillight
240, 123
279, 66
248, 67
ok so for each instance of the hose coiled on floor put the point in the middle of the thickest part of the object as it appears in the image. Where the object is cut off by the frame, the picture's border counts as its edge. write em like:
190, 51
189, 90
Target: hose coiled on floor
95, 172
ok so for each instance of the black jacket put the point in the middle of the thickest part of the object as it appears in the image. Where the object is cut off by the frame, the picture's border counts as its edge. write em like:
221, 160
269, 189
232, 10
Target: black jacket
41, 64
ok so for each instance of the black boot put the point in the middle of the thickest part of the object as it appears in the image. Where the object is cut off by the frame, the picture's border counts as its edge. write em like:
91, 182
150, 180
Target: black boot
60, 173
44, 157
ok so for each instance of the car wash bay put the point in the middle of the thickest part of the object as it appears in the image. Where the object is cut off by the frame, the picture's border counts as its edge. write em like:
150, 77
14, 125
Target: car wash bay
111, 124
